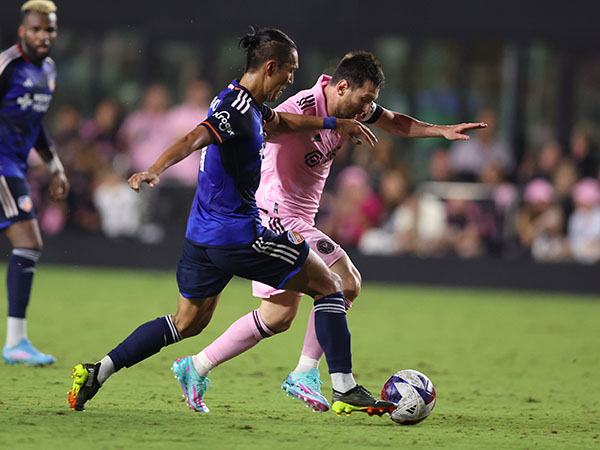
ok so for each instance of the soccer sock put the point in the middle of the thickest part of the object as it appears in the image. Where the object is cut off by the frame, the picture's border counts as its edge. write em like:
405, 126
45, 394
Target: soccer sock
107, 368
19, 276
332, 331
16, 329
145, 341
311, 351
242, 335
342, 382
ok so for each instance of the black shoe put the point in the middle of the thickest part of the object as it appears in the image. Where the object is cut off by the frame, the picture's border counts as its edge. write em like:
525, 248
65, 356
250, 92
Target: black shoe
359, 399
85, 385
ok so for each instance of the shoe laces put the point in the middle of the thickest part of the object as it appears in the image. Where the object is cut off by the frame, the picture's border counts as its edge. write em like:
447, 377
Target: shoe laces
312, 382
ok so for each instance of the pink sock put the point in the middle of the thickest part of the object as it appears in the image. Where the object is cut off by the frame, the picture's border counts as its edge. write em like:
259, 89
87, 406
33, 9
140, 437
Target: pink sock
311, 347
242, 335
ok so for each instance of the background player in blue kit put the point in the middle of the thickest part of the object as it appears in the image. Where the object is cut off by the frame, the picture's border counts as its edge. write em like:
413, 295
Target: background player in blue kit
225, 236
27, 80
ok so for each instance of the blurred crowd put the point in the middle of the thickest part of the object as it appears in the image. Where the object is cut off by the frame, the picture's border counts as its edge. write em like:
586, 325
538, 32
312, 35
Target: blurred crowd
477, 199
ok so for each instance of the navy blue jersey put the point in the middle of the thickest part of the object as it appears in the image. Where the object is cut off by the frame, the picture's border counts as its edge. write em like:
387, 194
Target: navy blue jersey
224, 212
25, 94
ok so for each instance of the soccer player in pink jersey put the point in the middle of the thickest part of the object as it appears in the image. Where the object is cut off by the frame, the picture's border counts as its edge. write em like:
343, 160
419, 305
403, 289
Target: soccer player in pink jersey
293, 174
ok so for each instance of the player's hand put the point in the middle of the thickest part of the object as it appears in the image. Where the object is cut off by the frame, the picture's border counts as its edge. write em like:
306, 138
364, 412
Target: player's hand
138, 178
59, 186
457, 132
355, 131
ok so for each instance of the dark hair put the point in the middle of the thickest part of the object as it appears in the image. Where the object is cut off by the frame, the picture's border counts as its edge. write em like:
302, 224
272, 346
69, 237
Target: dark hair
264, 44
358, 67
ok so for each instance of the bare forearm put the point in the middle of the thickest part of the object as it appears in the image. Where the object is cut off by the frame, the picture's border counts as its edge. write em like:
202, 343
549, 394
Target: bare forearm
181, 149
292, 123
406, 126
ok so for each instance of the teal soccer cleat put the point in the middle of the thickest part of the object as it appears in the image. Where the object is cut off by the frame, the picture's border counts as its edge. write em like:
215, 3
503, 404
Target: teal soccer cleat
25, 353
193, 385
306, 386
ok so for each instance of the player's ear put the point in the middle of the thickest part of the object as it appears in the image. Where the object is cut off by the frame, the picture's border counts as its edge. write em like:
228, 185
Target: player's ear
271, 67
21, 31
341, 87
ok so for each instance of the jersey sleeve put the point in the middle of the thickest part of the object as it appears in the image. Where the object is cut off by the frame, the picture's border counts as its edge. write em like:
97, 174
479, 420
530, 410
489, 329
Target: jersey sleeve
231, 118
373, 115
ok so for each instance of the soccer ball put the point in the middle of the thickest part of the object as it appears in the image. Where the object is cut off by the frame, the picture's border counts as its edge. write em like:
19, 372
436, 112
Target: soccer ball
414, 394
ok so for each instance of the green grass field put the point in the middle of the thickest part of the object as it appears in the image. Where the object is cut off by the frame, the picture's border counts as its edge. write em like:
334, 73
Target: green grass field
512, 370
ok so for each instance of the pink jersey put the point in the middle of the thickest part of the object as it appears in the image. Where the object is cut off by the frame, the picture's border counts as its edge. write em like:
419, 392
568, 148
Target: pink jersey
295, 166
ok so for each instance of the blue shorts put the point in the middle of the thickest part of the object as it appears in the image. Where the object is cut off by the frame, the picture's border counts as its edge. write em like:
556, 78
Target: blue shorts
272, 259
15, 203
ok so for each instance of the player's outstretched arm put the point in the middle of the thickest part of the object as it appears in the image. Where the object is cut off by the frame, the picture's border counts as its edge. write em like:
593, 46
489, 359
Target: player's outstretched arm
406, 126
348, 128
197, 138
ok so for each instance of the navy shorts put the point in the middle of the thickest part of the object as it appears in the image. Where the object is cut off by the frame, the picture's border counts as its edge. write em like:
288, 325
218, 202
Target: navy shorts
15, 202
272, 259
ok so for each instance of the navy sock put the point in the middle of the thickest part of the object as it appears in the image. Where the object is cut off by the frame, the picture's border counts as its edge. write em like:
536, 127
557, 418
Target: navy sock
19, 277
145, 341
332, 332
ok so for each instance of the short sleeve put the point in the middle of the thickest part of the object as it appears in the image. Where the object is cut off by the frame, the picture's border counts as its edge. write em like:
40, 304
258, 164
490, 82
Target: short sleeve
373, 115
232, 117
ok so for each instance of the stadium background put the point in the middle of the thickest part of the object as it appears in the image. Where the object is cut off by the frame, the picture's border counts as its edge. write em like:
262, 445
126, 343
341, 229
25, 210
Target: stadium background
536, 64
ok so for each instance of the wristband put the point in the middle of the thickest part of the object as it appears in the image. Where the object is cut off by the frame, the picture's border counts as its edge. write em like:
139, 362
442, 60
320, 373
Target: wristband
55, 165
329, 123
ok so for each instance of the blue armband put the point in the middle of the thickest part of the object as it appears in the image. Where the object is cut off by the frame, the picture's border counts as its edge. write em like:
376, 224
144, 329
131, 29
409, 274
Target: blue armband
329, 123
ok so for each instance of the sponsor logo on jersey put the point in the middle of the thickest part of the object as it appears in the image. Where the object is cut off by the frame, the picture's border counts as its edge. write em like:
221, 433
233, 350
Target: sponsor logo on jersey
313, 158
25, 203
28, 83
325, 246
295, 237
224, 124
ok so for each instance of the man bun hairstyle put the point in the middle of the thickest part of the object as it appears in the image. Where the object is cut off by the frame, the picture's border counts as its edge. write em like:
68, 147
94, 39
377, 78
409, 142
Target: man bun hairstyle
39, 6
264, 44
358, 67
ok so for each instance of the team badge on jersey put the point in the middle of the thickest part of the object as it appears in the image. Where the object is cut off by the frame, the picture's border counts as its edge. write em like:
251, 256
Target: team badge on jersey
324, 246
295, 237
25, 203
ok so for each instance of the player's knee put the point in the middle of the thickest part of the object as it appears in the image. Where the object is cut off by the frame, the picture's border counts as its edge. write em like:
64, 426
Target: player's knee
351, 285
331, 283
282, 323
190, 326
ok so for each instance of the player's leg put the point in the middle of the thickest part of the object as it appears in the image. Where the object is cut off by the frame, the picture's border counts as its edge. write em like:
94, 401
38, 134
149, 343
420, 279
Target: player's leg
191, 318
333, 335
26, 242
200, 284
273, 316
304, 382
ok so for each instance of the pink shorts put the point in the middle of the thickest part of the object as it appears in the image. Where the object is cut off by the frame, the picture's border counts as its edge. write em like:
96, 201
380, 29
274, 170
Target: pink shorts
329, 250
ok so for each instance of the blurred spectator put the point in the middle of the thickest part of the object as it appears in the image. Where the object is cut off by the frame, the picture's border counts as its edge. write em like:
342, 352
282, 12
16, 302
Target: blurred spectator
469, 226
540, 223
180, 120
564, 179
100, 131
469, 159
583, 153
117, 204
584, 223
143, 135
356, 207
439, 167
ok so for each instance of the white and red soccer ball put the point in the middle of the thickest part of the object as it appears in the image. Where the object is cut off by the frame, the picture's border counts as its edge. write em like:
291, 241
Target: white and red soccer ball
414, 394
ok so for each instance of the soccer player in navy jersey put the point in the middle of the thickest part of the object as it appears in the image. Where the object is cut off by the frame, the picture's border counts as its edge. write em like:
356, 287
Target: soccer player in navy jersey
225, 236
27, 79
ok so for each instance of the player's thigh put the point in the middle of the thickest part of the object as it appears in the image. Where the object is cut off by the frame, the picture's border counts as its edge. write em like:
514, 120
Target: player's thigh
351, 278
315, 278
194, 314
279, 310
24, 234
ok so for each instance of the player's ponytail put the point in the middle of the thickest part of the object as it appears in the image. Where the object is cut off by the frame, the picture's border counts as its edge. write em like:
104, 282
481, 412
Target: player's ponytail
264, 44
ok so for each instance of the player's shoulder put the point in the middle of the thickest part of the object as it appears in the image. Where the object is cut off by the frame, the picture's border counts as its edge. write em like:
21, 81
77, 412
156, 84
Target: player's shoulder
305, 101
234, 99
9, 56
